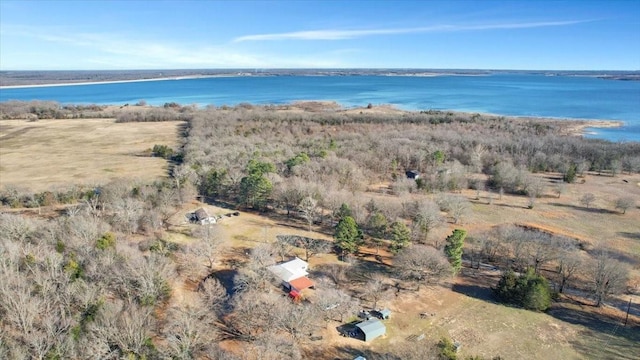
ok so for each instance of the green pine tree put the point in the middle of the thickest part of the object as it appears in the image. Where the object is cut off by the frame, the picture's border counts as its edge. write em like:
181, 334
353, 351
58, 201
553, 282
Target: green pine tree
348, 236
453, 248
400, 236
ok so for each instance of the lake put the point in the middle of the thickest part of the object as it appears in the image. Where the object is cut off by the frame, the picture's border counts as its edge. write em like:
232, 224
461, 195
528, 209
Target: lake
512, 94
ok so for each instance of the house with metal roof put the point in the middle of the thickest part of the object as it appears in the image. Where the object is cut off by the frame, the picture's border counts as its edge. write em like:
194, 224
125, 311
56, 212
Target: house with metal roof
372, 329
290, 270
293, 275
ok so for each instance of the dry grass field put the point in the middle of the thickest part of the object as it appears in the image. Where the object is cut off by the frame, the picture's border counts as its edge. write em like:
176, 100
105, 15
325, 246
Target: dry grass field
46, 154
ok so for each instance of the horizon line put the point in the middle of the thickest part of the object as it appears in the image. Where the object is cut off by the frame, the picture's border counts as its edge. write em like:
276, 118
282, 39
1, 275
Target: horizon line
316, 69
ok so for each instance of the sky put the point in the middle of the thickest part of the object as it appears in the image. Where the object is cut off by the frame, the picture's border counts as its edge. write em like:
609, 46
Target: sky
455, 34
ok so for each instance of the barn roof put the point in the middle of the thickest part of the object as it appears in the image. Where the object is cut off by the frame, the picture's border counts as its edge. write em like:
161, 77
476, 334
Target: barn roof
201, 214
372, 329
301, 283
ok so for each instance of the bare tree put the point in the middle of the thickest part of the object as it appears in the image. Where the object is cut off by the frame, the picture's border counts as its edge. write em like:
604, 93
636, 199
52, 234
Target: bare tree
282, 247
569, 262
289, 193
214, 295
457, 206
587, 199
255, 275
625, 203
308, 208
16, 228
334, 303
311, 246
375, 290
297, 320
559, 189
190, 331
272, 346
127, 213
426, 219
422, 264
608, 276
208, 245
126, 326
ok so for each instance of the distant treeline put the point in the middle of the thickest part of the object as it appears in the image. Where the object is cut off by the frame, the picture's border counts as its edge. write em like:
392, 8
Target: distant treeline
37, 109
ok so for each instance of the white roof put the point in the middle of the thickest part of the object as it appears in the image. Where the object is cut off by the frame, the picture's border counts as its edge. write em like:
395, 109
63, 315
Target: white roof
290, 270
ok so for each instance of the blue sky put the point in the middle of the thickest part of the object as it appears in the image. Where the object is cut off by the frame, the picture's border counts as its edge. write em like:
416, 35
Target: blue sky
118, 34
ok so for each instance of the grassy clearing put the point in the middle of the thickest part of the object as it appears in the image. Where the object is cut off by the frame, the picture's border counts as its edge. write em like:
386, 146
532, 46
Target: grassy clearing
46, 154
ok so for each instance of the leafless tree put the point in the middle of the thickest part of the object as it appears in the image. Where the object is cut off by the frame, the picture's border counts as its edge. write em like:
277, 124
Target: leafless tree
255, 275
569, 262
587, 200
214, 295
625, 203
311, 246
190, 331
127, 213
290, 192
16, 228
308, 209
282, 247
422, 264
559, 189
457, 206
337, 273
427, 218
297, 320
127, 326
376, 289
334, 303
534, 186
208, 245
608, 276
272, 346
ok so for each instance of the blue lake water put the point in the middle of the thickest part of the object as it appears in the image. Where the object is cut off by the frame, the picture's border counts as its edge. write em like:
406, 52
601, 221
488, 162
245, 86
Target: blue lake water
505, 94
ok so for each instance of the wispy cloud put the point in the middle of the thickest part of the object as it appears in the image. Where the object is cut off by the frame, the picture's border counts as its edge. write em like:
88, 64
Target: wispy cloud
112, 50
334, 34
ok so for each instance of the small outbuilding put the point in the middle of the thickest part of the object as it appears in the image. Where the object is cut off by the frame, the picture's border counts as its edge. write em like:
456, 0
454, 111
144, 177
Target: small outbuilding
372, 329
201, 216
412, 174
383, 314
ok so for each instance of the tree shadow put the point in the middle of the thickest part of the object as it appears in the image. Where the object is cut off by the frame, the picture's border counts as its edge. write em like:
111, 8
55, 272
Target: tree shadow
629, 235
477, 284
511, 206
604, 336
627, 258
364, 268
226, 277
584, 208
475, 291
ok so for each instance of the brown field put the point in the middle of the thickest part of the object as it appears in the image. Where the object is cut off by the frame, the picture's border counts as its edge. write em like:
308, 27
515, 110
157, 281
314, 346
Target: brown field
46, 154
54, 153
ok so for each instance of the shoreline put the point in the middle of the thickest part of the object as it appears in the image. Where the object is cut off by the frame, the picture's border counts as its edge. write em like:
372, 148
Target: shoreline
186, 77
226, 75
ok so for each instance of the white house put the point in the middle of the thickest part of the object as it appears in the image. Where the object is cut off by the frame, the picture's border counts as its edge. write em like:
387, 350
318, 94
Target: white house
290, 270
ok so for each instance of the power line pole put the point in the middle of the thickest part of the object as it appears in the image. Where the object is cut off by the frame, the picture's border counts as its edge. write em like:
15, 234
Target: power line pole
628, 308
